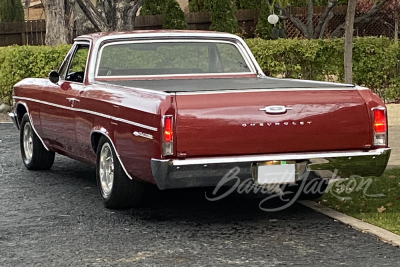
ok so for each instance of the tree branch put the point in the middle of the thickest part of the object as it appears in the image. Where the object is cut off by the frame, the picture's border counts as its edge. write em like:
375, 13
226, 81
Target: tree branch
326, 16
339, 31
134, 10
93, 15
310, 13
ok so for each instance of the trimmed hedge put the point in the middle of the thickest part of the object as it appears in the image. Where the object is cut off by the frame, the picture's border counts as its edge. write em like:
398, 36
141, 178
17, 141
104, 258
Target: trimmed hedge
19, 62
375, 62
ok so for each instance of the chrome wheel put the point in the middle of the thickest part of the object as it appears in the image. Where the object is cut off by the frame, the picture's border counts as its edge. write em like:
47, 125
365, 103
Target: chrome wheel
27, 139
106, 169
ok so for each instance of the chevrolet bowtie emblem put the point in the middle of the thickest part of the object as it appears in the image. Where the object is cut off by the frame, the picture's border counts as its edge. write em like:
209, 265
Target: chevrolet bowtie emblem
275, 109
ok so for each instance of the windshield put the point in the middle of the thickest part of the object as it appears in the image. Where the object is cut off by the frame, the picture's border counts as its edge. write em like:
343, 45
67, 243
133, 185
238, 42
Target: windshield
165, 58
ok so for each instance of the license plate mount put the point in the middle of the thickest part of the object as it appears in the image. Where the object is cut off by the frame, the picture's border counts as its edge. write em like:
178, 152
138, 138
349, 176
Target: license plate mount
280, 172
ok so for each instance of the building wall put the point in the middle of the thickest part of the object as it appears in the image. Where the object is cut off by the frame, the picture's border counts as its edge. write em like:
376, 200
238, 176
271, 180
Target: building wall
184, 5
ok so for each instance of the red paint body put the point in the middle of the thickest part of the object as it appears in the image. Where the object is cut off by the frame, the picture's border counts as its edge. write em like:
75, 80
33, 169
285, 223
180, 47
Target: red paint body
205, 124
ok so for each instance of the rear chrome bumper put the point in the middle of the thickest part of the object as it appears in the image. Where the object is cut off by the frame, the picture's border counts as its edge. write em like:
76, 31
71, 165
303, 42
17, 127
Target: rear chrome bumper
13, 117
202, 172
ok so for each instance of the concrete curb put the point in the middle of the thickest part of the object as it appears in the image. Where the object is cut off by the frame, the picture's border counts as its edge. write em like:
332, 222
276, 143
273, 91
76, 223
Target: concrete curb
382, 234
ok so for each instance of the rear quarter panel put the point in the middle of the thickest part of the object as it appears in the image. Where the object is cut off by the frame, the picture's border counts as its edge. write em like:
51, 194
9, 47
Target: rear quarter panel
131, 110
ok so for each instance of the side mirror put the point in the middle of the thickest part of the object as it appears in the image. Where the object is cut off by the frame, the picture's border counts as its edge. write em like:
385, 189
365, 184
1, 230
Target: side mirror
54, 77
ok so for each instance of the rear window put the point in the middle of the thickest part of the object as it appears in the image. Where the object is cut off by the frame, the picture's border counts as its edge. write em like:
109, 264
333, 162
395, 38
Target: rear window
163, 58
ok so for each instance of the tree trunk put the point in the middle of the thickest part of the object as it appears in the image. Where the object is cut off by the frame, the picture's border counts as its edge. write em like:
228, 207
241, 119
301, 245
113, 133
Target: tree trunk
396, 21
121, 18
348, 42
58, 22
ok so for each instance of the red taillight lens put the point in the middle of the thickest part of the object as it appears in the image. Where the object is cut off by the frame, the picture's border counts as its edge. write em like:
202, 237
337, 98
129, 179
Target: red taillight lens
168, 129
379, 121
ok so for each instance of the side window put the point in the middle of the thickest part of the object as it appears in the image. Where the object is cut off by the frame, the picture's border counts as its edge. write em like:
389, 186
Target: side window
77, 66
62, 71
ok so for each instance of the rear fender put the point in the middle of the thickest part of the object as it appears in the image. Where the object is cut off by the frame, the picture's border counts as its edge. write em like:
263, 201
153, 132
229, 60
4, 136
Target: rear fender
95, 135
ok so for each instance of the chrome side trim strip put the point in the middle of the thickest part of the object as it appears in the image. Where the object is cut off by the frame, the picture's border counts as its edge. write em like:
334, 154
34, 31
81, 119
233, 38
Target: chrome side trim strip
115, 149
256, 158
89, 112
229, 91
33, 126
132, 88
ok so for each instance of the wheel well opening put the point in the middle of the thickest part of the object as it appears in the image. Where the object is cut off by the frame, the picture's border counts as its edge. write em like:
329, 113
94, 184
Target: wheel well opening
21, 110
95, 139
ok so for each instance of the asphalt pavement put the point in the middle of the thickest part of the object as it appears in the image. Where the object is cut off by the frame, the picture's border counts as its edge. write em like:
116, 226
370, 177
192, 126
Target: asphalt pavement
56, 218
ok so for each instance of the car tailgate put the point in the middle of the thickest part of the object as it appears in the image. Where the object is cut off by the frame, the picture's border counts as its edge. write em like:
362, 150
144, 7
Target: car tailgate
236, 123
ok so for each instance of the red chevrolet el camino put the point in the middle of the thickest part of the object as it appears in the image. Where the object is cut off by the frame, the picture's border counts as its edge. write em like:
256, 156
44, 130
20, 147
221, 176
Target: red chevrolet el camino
181, 109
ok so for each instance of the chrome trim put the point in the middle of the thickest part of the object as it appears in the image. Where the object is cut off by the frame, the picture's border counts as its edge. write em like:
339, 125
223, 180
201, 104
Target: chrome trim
202, 172
268, 157
71, 99
243, 53
115, 149
30, 120
72, 51
135, 88
230, 91
178, 35
90, 112
197, 75
14, 119
275, 109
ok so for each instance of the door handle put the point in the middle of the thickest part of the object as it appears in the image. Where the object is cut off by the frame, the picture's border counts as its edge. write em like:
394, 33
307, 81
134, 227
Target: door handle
72, 101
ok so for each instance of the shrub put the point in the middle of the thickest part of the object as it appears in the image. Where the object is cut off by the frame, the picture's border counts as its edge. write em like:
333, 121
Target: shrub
19, 62
222, 17
174, 17
375, 62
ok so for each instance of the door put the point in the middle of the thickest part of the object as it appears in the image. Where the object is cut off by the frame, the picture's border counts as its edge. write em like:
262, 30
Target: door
57, 114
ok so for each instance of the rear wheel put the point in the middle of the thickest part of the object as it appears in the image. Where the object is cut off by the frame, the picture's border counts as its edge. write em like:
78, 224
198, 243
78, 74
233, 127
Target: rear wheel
34, 155
116, 189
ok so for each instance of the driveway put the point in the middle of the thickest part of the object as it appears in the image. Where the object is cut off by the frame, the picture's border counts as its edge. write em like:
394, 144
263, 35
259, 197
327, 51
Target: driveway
55, 218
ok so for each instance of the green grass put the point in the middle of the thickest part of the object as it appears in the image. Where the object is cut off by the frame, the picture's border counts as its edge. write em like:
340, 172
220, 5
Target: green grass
362, 197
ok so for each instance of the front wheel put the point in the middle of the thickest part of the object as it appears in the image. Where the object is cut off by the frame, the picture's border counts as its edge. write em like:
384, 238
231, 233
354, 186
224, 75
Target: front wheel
34, 155
116, 189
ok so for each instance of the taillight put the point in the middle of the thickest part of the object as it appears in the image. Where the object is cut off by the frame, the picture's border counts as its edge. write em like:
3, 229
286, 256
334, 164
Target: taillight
380, 126
168, 140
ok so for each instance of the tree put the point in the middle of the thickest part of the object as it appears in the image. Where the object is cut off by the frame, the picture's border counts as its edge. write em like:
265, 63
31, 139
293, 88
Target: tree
222, 17
264, 28
153, 7
119, 14
348, 42
59, 22
11, 11
174, 17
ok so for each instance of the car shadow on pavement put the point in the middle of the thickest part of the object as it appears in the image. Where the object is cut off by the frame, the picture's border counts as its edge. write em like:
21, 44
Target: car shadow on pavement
174, 204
